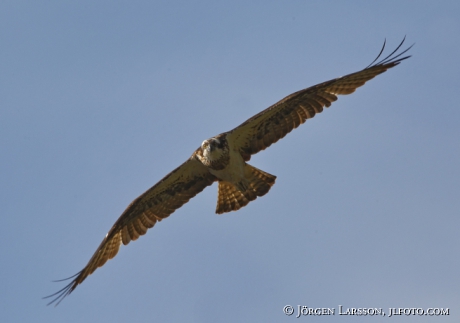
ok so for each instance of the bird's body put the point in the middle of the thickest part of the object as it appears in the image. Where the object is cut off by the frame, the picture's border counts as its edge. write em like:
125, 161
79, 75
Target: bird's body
225, 162
224, 158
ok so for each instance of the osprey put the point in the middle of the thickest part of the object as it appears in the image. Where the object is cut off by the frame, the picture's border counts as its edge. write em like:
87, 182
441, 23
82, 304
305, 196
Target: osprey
223, 159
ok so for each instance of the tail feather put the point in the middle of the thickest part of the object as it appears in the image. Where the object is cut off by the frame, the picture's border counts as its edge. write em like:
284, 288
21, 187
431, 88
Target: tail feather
230, 198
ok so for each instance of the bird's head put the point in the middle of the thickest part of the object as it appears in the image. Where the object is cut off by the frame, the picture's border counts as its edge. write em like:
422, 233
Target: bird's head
214, 148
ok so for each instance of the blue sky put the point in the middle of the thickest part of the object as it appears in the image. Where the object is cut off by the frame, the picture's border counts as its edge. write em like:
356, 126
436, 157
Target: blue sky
100, 99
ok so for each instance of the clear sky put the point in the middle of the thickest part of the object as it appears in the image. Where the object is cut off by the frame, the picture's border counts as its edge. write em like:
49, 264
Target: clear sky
100, 99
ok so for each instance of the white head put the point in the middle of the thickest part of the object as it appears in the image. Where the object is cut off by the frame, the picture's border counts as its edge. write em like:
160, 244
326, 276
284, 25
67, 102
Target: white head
213, 148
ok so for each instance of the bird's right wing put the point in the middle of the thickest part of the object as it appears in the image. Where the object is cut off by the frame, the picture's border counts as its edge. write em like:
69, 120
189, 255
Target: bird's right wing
157, 203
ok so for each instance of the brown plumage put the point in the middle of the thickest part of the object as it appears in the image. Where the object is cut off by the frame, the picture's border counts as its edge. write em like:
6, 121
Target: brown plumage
229, 198
223, 158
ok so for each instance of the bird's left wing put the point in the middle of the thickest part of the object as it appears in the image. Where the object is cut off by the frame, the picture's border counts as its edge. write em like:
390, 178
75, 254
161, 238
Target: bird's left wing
272, 124
157, 203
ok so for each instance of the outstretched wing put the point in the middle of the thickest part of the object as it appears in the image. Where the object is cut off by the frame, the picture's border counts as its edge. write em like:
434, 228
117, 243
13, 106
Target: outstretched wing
157, 203
275, 122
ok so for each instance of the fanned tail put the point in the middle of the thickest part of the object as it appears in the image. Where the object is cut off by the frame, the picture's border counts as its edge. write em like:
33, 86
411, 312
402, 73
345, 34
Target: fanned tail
231, 198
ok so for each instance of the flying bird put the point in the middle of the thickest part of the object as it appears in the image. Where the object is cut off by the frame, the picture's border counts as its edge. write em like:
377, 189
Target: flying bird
224, 159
